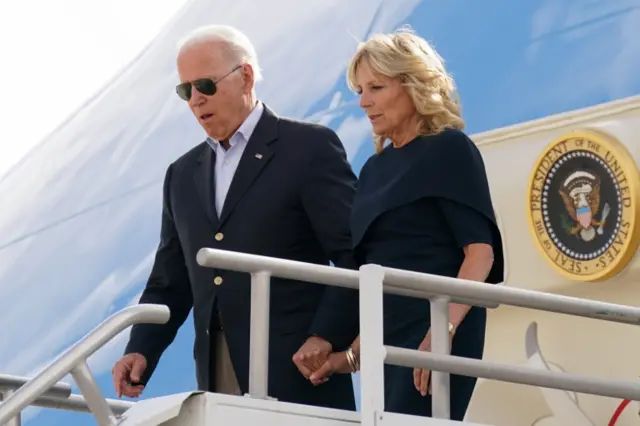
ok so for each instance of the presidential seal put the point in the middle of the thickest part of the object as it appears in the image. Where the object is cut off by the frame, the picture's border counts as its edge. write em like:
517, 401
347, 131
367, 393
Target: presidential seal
583, 200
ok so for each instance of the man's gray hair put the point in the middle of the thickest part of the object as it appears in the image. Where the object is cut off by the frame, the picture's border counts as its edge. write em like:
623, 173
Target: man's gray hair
239, 45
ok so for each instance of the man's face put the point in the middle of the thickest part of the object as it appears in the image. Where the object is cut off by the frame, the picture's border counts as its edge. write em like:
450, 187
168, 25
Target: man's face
219, 114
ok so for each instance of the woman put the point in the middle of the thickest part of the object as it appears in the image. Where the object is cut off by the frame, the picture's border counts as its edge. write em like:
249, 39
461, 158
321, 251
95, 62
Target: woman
423, 204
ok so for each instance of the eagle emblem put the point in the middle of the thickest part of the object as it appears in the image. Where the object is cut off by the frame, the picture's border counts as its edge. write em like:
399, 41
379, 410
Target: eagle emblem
581, 195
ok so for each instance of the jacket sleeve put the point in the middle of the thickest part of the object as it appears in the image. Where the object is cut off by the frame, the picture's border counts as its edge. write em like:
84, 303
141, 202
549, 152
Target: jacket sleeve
327, 195
168, 284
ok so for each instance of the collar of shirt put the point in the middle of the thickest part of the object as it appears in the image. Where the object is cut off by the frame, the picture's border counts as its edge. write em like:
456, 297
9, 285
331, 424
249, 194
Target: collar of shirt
245, 130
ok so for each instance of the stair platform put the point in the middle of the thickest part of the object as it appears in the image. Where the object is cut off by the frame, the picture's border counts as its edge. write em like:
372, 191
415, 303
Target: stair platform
202, 408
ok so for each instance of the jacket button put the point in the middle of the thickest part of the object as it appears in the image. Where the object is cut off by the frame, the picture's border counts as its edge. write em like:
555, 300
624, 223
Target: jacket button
217, 280
219, 236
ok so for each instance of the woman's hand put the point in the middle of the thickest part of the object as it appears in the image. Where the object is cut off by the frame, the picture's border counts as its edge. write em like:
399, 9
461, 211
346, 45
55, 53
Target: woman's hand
336, 363
421, 376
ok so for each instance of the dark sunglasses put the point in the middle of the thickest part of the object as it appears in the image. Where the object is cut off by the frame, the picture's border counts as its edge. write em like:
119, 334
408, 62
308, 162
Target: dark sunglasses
206, 86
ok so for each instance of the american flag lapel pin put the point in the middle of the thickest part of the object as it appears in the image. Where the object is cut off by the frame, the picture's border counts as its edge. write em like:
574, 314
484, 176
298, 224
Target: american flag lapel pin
258, 156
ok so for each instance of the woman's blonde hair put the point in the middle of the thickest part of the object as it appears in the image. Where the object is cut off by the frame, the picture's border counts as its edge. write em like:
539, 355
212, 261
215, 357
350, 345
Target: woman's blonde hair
410, 58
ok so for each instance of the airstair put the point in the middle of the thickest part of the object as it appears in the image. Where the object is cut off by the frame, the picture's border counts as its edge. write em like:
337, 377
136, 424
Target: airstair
201, 408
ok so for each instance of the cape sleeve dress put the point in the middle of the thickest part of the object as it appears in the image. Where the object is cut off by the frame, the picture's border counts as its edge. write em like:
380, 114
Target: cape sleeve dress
416, 207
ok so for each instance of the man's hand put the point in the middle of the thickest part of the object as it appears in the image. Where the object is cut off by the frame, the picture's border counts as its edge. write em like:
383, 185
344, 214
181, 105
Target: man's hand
312, 355
126, 374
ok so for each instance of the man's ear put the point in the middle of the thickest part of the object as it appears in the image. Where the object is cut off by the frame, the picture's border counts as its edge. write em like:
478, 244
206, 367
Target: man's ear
248, 78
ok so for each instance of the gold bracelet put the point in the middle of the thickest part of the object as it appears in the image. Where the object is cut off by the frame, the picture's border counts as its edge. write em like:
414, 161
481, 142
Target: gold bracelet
349, 355
351, 359
356, 367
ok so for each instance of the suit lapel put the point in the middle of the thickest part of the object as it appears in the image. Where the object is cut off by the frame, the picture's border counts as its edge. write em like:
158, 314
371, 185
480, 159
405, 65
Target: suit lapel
256, 156
204, 181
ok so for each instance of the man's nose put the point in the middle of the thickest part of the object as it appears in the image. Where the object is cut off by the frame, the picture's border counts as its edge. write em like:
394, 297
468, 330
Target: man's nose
197, 98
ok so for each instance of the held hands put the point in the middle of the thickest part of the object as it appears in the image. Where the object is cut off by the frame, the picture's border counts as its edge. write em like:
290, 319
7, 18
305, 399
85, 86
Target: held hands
317, 362
312, 355
337, 362
126, 373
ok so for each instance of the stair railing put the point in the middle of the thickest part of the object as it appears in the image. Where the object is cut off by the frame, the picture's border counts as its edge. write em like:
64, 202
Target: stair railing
74, 360
374, 280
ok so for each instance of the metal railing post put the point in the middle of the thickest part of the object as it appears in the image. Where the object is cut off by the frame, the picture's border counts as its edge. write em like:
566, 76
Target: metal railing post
17, 419
440, 385
259, 335
94, 397
372, 351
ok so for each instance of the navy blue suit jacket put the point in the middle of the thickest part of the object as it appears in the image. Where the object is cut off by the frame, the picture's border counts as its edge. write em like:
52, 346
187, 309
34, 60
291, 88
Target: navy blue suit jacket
292, 201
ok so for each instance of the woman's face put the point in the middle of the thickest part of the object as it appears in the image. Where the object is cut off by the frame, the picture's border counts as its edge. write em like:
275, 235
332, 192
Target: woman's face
385, 101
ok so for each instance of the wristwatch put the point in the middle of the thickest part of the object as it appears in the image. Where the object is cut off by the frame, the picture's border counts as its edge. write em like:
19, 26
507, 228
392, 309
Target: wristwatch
452, 329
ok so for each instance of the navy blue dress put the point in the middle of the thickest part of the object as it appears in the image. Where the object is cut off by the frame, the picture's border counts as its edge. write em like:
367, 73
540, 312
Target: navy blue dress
416, 208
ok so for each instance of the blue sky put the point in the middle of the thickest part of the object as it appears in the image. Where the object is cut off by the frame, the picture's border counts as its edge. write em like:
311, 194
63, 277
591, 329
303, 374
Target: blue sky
79, 234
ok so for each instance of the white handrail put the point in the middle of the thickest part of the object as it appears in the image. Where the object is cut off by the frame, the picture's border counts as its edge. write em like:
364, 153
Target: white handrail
58, 396
11, 383
422, 286
73, 361
303, 271
371, 280
622, 389
78, 403
537, 300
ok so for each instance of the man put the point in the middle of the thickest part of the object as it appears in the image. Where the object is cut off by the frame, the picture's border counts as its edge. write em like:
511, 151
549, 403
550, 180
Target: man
259, 184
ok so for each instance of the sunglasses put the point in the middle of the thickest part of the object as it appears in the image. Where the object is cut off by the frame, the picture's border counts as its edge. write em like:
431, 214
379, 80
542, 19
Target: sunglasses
206, 86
